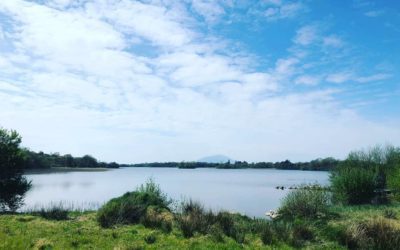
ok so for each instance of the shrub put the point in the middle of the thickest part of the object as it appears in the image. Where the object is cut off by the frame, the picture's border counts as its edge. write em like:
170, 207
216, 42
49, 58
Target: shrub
377, 234
194, 218
352, 184
356, 237
383, 234
150, 239
355, 179
216, 233
305, 203
282, 230
302, 232
158, 218
389, 214
226, 222
267, 235
132, 206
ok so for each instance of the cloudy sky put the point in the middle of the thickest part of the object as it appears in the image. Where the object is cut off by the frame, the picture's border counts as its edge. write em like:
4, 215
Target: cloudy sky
166, 80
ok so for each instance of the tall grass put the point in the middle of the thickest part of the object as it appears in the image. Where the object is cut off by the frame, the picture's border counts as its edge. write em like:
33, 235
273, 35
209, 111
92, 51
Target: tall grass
54, 211
378, 233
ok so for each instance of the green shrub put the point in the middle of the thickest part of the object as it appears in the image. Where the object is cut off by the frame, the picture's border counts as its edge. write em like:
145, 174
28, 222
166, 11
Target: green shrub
379, 234
355, 179
282, 230
158, 218
216, 233
305, 203
383, 234
194, 218
267, 235
352, 184
226, 222
356, 238
132, 206
150, 239
390, 214
302, 232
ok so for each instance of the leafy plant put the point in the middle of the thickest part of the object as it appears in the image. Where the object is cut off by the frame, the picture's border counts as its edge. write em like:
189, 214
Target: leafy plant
305, 203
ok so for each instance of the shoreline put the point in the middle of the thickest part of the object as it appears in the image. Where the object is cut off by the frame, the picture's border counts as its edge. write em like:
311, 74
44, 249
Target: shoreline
63, 170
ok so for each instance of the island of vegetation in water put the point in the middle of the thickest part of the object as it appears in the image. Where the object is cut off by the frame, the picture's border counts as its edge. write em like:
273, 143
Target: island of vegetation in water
360, 209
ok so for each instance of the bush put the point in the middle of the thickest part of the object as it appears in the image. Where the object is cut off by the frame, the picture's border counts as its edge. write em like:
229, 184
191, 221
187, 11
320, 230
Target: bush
390, 214
302, 232
226, 222
150, 239
132, 206
352, 184
194, 218
282, 230
377, 234
158, 218
216, 233
267, 235
383, 234
355, 179
305, 203
356, 238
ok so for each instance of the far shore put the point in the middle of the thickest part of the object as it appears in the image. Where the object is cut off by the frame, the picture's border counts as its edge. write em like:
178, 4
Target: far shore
63, 170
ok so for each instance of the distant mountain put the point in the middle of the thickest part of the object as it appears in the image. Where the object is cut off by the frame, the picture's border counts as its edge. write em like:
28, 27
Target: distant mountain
216, 159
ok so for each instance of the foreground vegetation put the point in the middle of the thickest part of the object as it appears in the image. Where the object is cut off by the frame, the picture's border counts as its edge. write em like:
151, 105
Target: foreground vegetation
356, 227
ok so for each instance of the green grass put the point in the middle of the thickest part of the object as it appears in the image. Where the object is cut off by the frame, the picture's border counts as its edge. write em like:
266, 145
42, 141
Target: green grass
82, 231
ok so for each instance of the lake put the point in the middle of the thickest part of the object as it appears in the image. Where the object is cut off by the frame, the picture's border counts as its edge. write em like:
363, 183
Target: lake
247, 191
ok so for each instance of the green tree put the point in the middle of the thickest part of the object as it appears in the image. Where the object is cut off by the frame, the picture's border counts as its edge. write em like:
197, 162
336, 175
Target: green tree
13, 185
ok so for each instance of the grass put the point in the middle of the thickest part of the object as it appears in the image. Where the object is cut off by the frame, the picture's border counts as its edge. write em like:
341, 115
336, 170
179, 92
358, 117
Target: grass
82, 231
349, 227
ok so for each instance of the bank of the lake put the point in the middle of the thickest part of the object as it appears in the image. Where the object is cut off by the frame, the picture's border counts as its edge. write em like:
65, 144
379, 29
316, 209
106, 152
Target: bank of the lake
81, 230
62, 170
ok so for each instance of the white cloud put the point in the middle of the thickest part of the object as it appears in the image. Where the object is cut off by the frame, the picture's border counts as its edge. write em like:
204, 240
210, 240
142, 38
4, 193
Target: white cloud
306, 35
281, 10
372, 78
374, 13
339, 77
307, 80
153, 22
210, 10
333, 41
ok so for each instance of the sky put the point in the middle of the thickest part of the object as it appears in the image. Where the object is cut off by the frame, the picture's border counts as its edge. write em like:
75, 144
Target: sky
166, 80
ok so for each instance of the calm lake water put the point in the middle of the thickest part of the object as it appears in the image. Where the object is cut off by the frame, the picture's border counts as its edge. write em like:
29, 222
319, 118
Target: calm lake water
248, 191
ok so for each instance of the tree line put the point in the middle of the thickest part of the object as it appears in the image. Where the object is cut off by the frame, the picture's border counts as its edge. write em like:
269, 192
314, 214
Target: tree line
33, 160
320, 164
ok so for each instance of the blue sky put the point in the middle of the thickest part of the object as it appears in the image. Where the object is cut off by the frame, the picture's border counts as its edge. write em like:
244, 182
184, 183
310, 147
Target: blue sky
140, 81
